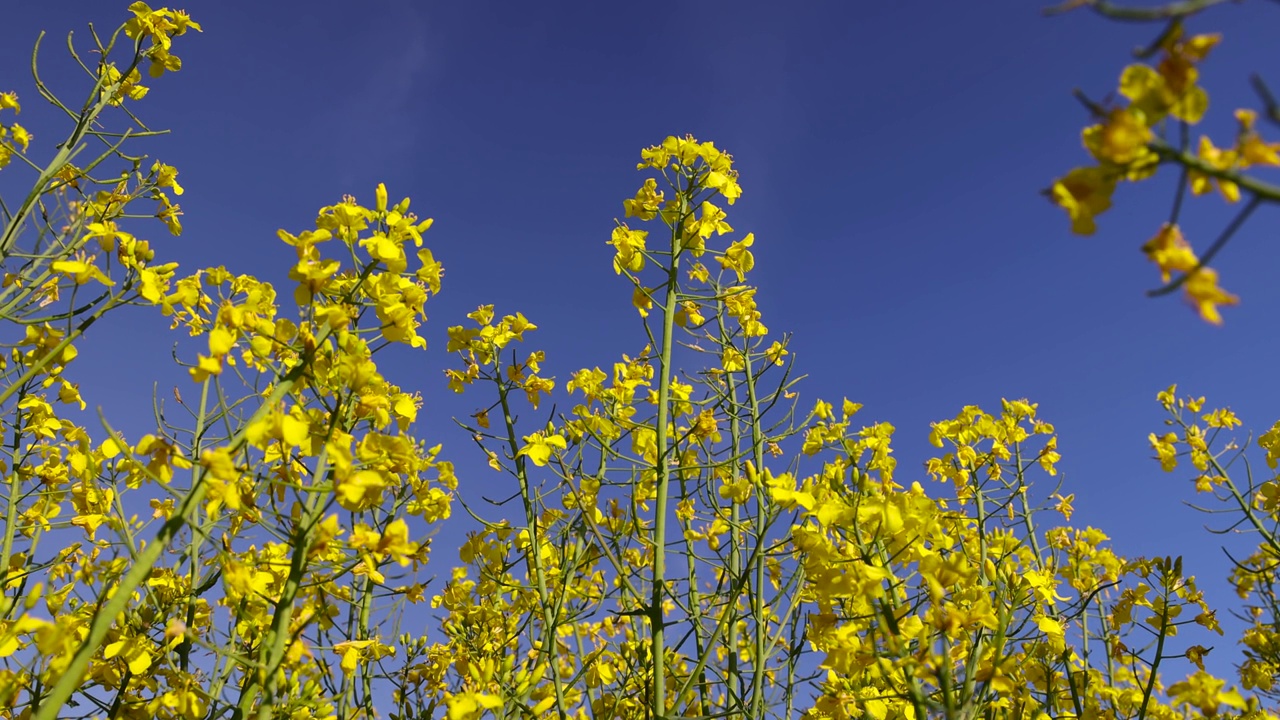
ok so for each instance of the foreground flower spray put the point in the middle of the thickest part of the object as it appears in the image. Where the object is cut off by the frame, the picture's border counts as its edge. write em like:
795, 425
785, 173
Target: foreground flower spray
1149, 125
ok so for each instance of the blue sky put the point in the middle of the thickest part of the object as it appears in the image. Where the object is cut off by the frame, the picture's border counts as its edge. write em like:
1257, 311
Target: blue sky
892, 157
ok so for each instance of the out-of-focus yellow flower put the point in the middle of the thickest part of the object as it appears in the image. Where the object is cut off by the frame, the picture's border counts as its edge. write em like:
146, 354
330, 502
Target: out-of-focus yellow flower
1170, 251
1205, 295
1121, 140
1222, 160
1084, 193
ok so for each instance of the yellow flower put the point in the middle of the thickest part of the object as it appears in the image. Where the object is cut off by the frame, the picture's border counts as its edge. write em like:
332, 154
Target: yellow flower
1084, 193
69, 393
1053, 629
1220, 159
81, 270
1205, 693
699, 273
482, 315
726, 183
395, 542
135, 651
1044, 585
1146, 91
535, 386
1270, 441
1166, 450
710, 221
471, 705
737, 491
1171, 88
655, 157
222, 480
1268, 496
167, 176
776, 352
361, 490
539, 447
642, 300
159, 26
630, 245
1221, 418
646, 203
204, 367
1121, 140
740, 303
1250, 147
732, 360
706, 426
1203, 293
430, 272
689, 314
221, 340
168, 213
1178, 66
21, 136
738, 258
1170, 251
1064, 505
125, 85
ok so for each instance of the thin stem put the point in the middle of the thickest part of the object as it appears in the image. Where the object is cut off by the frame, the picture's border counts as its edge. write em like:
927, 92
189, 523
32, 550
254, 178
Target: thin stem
534, 552
1137, 14
663, 469
1164, 629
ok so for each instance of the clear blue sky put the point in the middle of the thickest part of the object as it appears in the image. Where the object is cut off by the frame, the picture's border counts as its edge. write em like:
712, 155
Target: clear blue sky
892, 156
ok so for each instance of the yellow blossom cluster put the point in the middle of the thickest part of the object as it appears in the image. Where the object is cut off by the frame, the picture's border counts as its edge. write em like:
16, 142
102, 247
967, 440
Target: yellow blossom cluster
1129, 142
280, 501
681, 541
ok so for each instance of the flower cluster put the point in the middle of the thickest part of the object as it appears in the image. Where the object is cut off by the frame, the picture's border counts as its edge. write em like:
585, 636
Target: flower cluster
1128, 144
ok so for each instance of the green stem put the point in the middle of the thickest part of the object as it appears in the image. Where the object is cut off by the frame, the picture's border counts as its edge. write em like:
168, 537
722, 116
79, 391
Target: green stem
1178, 9
197, 538
736, 551
695, 613
1264, 190
757, 597
266, 681
11, 514
657, 624
366, 675
549, 611
1164, 631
